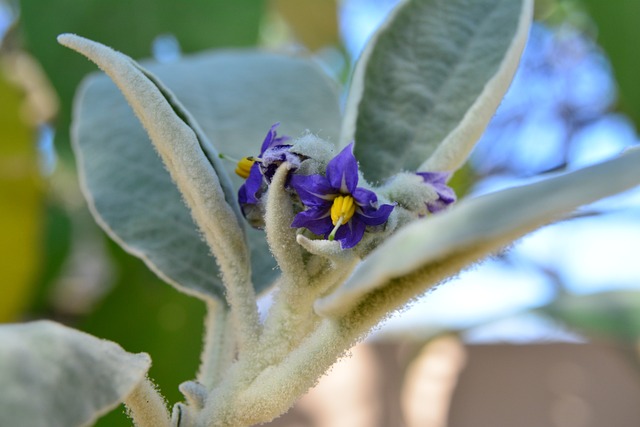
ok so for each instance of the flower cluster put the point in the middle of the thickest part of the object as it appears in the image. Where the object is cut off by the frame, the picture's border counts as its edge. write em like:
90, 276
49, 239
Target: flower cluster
331, 204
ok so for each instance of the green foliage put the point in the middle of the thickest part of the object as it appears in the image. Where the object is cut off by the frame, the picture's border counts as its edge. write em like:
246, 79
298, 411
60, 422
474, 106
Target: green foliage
617, 31
420, 98
606, 315
131, 26
55, 245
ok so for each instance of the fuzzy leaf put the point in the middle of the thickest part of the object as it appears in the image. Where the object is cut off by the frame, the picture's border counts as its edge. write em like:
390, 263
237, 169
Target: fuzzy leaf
432, 76
438, 247
235, 105
54, 376
189, 159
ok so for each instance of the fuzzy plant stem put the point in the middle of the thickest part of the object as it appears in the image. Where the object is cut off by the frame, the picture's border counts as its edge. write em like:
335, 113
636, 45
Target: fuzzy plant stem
219, 344
292, 306
146, 406
244, 309
276, 388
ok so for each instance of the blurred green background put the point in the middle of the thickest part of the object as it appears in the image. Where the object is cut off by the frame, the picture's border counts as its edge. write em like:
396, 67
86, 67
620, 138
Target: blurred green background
58, 264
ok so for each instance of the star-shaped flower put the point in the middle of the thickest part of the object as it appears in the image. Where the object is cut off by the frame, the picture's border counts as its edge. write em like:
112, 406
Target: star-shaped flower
336, 207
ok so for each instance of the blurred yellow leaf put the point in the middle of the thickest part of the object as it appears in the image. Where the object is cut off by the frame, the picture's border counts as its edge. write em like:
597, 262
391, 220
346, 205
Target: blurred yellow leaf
20, 204
315, 23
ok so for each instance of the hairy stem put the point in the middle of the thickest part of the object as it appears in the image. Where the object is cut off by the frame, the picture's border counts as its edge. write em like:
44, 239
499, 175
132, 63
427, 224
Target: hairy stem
281, 237
289, 315
219, 344
146, 406
277, 387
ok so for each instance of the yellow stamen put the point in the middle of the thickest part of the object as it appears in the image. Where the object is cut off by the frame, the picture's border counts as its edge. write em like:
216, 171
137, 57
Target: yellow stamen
342, 210
244, 166
343, 207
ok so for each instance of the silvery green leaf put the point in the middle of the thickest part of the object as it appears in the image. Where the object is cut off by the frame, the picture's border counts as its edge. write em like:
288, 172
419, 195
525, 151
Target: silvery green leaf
191, 162
429, 81
235, 96
434, 248
132, 196
54, 376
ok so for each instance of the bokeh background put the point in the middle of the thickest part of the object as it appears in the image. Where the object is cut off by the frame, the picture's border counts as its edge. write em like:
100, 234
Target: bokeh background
561, 294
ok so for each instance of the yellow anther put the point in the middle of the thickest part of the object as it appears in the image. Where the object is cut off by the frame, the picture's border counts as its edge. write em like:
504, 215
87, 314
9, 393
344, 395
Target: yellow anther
342, 209
244, 167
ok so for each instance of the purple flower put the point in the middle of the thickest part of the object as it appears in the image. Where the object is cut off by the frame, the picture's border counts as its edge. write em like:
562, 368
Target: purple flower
446, 195
274, 157
250, 168
336, 207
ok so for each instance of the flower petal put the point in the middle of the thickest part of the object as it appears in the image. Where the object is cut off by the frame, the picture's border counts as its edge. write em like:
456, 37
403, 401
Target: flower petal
342, 171
368, 210
350, 233
434, 177
436, 206
374, 216
276, 155
314, 190
269, 139
315, 219
365, 198
247, 194
446, 195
